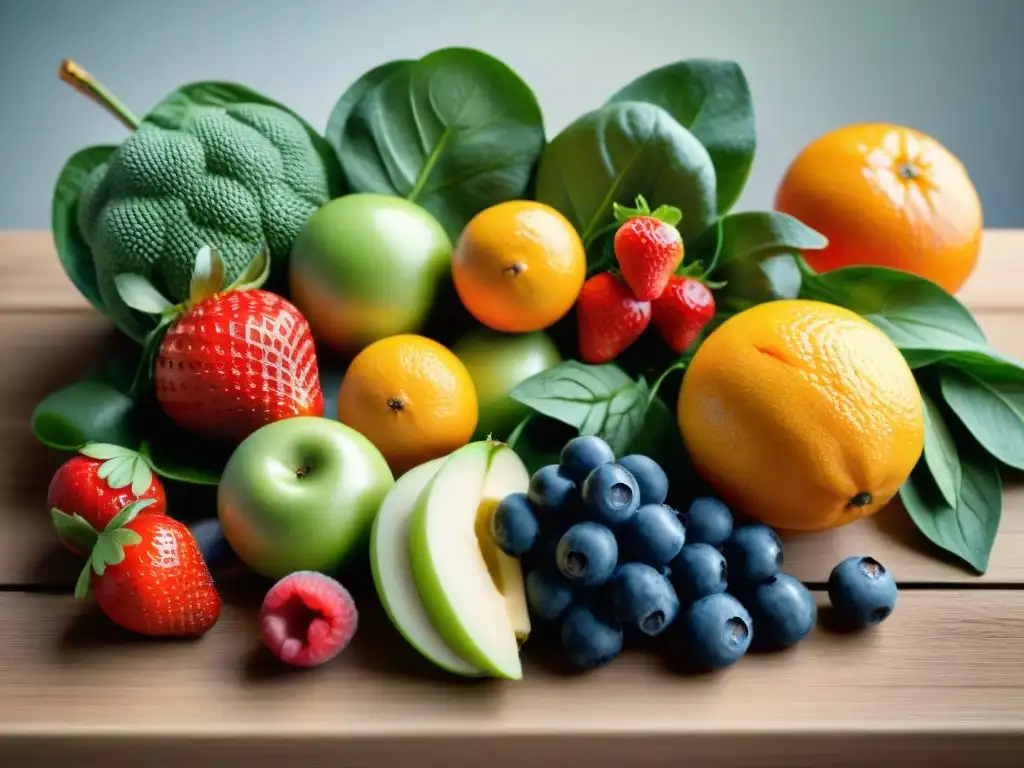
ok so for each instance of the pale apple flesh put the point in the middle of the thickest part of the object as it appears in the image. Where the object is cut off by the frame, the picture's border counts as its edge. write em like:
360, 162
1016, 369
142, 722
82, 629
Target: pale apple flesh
393, 577
464, 602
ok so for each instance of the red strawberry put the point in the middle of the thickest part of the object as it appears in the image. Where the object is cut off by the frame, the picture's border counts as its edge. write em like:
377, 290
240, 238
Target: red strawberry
609, 317
648, 247
148, 576
683, 311
94, 486
231, 360
307, 619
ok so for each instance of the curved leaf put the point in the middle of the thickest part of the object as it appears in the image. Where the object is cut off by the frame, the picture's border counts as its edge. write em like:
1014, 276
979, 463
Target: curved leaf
761, 234
622, 150
335, 132
456, 132
940, 453
992, 411
86, 412
712, 99
75, 256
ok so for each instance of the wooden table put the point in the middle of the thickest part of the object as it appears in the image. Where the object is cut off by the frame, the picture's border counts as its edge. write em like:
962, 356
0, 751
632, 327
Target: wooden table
942, 679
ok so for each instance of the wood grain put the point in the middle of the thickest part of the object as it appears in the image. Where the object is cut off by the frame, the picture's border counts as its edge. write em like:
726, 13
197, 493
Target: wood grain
942, 664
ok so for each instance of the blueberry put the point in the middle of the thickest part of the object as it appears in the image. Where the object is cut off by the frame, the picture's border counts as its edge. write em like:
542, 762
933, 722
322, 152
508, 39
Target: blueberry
587, 554
552, 494
784, 612
708, 521
650, 478
588, 641
515, 526
548, 593
582, 455
698, 571
642, 598
610, 495
212, 545
717, 630
653, 535
862, 591
754, 553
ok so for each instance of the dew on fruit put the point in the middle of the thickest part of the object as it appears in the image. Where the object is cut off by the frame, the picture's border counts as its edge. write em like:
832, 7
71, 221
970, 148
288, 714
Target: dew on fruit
871, 567
653, 622
620, 494
879, 614
736, 632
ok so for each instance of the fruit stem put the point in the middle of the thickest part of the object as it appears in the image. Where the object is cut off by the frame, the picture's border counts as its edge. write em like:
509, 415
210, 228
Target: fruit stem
678, 365
83, 82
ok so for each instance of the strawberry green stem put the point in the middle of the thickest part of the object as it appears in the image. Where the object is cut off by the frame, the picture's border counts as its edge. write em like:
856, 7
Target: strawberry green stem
72, 74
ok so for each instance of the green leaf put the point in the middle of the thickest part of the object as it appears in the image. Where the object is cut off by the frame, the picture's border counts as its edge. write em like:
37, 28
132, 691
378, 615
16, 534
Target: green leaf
914, 312
175, 454
104, 451
596, 399
86, 412
74, 254
984, 362
174, 107
617, 152
712, 99
140, 294
208, 274
126, 537
756, 235
142, 382
993, 412
456, 132
127, 513
940, 453
74, 528
255, 275
119, 471
84, 581
142, 476
99, 565
343, 108
109, 550
969, 529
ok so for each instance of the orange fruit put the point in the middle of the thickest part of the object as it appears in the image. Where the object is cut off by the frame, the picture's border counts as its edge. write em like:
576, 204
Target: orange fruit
889, 196
802, 415
411, 397
518, 266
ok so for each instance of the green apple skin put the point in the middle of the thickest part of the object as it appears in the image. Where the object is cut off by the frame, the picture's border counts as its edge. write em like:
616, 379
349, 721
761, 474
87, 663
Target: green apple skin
301, 494
498, 363
393, 577
452, 577
366, 266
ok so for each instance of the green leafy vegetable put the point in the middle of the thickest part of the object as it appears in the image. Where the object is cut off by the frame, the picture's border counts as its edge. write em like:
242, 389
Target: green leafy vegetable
85, 412
712, 99
993, 412
755, 235
968, 529
595, 399
940, 454
335, 132
456, 131
617, 152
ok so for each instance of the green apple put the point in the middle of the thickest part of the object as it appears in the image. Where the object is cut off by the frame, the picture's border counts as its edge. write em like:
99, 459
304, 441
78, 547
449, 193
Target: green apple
497, 363
456, 585
366, 266
392, 571
301, 494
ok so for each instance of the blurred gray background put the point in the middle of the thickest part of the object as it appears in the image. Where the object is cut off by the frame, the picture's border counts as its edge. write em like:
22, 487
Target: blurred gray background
951, 68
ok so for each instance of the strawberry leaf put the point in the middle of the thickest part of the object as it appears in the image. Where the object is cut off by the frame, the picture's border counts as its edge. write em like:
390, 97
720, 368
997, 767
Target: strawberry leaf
74, 528
108, 548
668, 214
107, 468
150, 346
104, 451
99, 565
207, 275
254, 275
128, 513
122, 473
142, 476
84, 581
126, 537
140, 294
624, 213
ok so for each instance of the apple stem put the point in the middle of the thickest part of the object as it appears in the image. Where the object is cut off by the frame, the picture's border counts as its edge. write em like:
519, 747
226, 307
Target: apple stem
301, 472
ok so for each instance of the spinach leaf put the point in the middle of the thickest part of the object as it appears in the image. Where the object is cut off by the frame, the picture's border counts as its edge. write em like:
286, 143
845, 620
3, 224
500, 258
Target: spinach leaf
940, 453
968, 529
456, 132
87, 411
596, 399
993, 412
75, 256
173, 107
914, 312
712, 99
335, 132
622, 150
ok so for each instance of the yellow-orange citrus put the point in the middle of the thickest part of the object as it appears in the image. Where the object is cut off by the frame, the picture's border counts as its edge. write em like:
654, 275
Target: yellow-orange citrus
802, 415
412, 397
889, 196
518, 266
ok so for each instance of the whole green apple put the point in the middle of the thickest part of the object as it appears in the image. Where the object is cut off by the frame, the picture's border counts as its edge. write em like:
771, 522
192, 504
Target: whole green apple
497, 363
366, 266
301, 494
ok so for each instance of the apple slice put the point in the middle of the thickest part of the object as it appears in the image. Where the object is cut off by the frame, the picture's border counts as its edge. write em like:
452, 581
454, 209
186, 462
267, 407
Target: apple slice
392, 572
465, 604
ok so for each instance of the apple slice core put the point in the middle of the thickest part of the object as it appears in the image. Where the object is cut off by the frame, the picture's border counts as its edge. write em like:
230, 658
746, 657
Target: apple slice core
456, 586
393, 577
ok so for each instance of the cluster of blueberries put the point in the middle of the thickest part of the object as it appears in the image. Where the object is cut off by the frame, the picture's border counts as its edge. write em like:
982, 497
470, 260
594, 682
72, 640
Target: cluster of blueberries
606, 558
